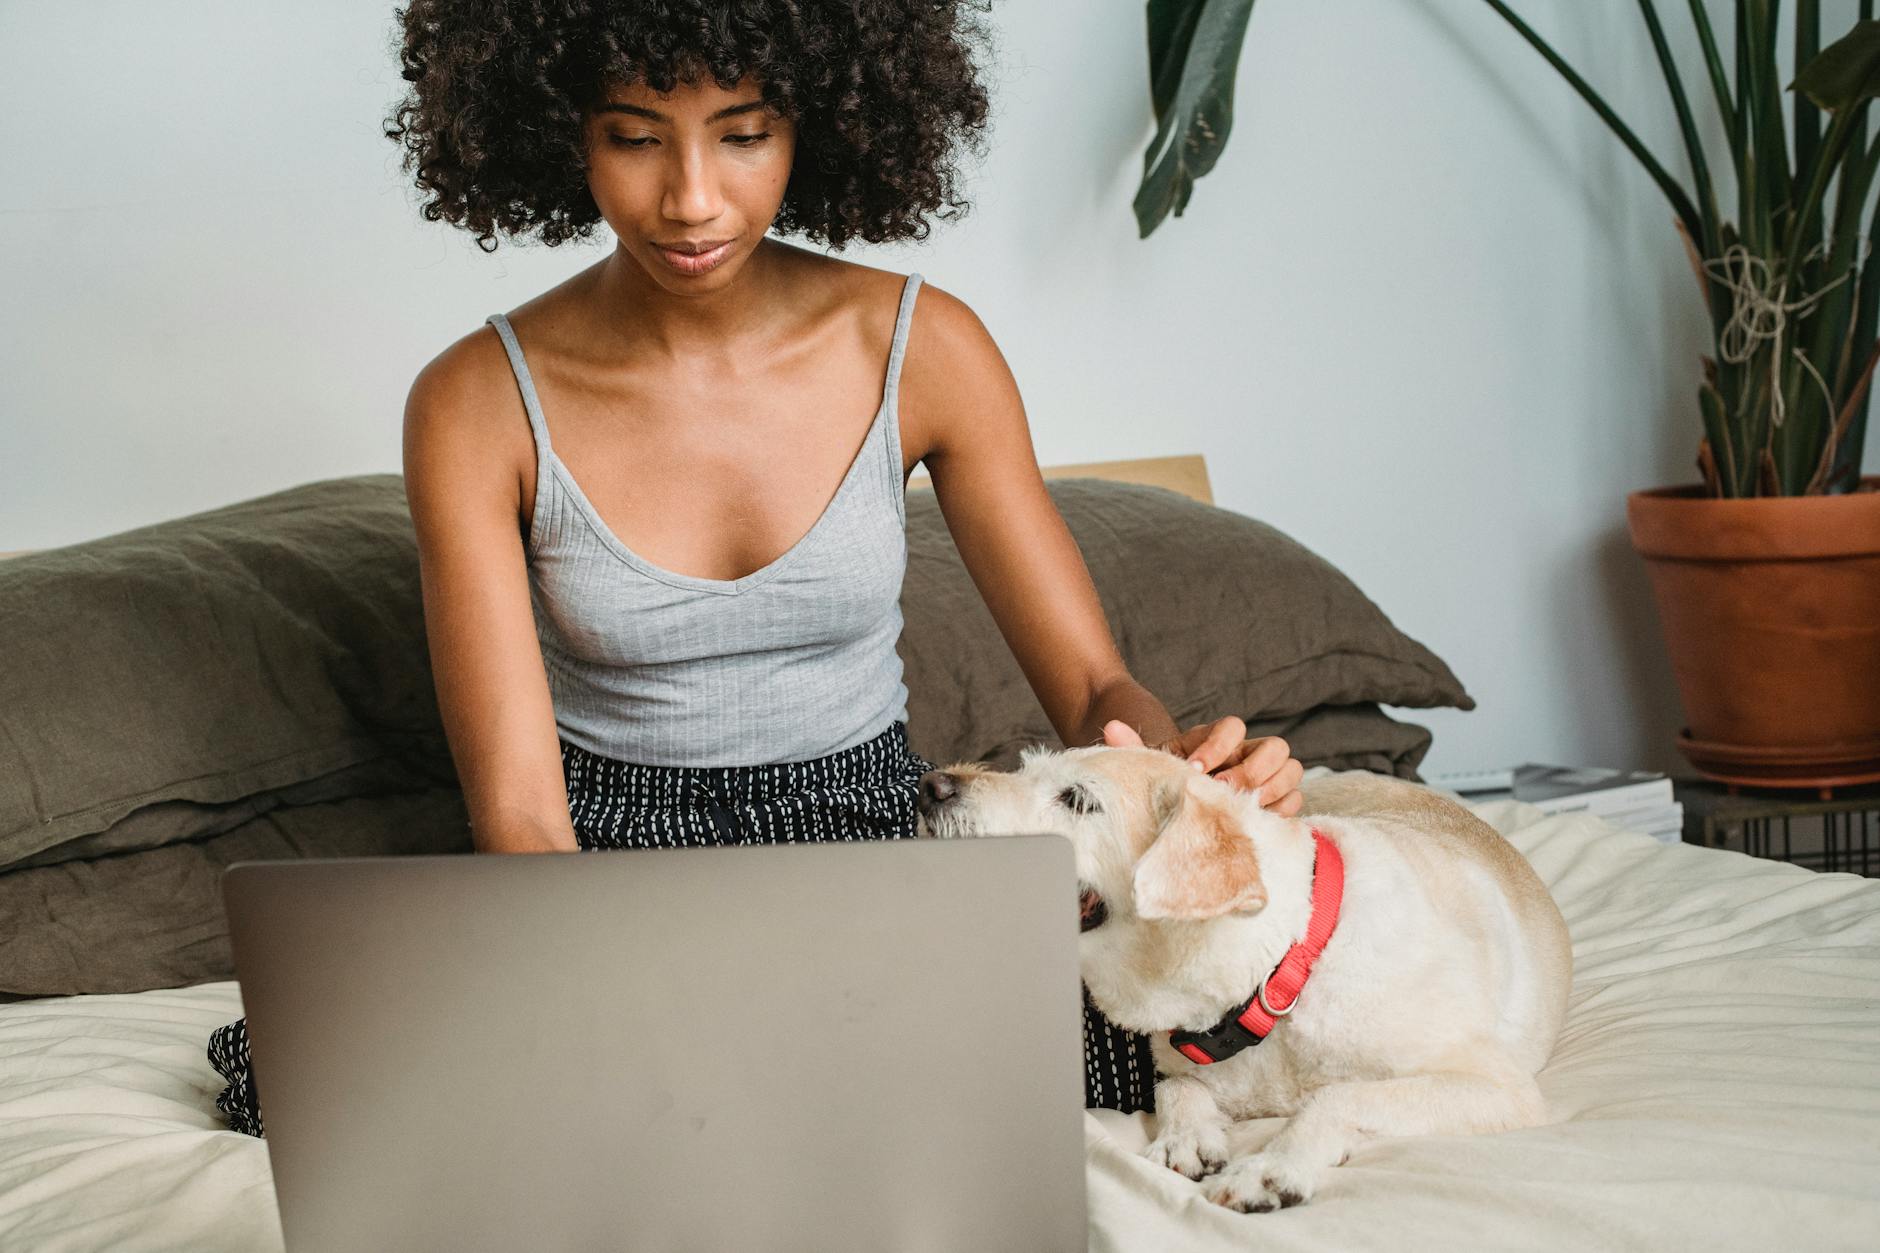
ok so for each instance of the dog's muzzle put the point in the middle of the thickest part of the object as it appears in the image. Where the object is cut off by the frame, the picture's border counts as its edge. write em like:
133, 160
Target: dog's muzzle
934, 792
1091, 911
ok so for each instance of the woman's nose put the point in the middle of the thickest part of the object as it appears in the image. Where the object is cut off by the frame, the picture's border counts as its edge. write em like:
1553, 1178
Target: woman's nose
692, 192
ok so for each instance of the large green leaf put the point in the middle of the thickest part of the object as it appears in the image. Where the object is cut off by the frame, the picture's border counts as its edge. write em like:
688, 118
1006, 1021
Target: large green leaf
1194, 50
1845, 72
1171, 30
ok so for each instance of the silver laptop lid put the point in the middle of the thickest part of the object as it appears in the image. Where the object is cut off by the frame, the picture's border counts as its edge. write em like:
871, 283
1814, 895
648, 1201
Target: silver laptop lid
849, 1045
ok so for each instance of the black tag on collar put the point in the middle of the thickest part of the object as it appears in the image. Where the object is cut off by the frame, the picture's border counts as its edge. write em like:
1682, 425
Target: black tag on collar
1221, 1041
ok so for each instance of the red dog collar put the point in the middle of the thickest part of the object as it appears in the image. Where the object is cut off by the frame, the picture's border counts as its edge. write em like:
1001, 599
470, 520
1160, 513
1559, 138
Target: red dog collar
1250, 1023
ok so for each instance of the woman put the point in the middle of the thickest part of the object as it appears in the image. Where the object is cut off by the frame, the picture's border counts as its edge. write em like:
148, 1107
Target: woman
661, 548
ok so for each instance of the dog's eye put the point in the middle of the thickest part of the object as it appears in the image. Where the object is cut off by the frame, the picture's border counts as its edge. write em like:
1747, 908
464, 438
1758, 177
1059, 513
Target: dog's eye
1077, 800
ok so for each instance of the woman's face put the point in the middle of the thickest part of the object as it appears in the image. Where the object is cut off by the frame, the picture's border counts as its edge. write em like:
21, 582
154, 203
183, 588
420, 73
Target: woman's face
700, 168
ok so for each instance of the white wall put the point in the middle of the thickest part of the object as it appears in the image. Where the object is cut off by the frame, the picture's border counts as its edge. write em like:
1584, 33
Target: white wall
1426, 316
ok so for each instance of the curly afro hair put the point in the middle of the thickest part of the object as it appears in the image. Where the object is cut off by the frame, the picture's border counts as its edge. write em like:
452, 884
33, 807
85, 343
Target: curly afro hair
882, 93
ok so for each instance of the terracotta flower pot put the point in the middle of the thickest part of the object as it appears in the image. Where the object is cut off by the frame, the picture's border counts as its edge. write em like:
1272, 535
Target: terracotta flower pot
1771, 614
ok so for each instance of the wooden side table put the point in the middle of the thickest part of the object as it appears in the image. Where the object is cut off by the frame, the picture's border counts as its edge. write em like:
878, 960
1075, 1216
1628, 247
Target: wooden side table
1842, 833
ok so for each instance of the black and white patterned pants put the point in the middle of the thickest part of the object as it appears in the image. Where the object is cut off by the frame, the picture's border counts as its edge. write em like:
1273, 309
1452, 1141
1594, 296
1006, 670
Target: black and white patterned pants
861, 793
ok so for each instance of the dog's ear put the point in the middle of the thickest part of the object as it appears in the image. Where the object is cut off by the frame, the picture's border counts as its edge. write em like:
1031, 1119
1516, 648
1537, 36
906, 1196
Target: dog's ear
1201, 864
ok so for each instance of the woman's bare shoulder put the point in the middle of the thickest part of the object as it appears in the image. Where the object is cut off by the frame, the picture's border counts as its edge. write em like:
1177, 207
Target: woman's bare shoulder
471, 384
465, 416
473, 374
952, 374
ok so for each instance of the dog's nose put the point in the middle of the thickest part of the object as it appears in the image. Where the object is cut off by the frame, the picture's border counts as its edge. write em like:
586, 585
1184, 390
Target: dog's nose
937, 787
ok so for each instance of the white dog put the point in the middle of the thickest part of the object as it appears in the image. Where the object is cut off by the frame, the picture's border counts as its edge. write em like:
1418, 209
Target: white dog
1385, 963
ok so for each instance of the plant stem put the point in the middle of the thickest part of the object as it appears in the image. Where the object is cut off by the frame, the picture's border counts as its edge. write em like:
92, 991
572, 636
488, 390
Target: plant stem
1680, 203
1687, 126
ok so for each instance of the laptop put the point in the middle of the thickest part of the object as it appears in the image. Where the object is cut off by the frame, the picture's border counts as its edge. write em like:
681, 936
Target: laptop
867, 1045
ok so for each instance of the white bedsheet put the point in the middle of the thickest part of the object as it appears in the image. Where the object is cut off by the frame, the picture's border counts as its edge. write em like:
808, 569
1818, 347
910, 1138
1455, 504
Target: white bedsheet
1717, 1086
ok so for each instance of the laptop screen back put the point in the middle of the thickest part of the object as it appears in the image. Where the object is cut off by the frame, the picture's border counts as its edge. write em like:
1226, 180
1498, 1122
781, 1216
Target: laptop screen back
850, 1045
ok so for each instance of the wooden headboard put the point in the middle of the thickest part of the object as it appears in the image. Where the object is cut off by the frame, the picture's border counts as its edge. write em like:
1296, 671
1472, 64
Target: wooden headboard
1186, 474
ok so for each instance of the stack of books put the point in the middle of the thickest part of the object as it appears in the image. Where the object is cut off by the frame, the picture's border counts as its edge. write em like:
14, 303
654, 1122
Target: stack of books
1637, 800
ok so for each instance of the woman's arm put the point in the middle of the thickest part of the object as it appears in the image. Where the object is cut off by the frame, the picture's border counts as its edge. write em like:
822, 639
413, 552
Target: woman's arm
961, 407
492, 691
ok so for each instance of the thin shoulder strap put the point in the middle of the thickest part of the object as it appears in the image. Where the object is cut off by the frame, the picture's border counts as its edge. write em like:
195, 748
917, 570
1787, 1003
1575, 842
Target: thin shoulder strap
520, 367
891, 399
902, 321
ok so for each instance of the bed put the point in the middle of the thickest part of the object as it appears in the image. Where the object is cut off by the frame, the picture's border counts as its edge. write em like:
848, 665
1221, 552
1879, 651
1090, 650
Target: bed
255, 686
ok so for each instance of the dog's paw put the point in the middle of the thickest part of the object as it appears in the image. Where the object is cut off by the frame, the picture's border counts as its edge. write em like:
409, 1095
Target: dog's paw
1260, 1183
1194, 1152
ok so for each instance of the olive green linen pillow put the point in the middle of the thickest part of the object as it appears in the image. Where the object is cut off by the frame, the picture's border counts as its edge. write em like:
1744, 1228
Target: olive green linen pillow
1214, 612
268, 651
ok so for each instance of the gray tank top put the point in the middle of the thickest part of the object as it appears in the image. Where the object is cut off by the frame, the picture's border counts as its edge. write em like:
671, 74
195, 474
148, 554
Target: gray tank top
793, 661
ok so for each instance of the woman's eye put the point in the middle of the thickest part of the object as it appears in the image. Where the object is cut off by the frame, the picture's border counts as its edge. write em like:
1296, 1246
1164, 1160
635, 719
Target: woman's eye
741, 141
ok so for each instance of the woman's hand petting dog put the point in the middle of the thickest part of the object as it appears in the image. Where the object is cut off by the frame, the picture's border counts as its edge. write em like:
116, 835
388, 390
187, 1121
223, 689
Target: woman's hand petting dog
1263, 765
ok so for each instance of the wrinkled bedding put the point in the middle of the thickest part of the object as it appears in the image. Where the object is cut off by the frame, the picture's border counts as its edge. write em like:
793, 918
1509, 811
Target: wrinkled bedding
1717, 1085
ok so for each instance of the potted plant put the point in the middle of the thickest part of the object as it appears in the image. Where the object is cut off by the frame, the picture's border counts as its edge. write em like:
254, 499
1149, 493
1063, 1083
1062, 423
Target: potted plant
1767, 572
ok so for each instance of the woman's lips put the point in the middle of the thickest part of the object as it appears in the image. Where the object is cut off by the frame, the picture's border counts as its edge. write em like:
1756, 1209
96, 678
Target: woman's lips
699, 263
